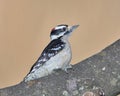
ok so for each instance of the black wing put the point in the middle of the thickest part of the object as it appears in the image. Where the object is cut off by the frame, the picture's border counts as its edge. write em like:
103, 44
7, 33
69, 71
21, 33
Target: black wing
53, 48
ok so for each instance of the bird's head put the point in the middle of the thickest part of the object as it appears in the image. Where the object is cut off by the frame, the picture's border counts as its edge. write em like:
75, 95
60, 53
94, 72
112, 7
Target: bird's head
62, 30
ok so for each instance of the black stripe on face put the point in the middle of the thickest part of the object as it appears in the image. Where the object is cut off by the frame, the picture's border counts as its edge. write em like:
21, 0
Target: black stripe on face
57, 32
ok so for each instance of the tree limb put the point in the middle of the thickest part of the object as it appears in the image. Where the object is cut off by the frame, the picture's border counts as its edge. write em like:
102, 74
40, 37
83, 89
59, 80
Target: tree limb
98, 75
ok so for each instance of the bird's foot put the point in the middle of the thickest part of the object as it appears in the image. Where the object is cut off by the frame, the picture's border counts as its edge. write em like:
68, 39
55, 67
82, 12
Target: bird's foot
67, 68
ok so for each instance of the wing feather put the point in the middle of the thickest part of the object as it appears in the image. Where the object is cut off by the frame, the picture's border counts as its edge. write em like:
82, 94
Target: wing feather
53, 48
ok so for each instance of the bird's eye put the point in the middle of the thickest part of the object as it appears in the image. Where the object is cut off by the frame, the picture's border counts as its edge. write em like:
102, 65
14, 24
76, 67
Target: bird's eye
64, 29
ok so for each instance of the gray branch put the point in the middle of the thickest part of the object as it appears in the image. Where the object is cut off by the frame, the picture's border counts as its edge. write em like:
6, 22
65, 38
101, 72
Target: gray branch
98, 75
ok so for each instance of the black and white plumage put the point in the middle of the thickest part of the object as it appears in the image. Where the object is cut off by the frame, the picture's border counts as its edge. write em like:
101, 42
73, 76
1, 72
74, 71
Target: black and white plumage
57, 54
51, 50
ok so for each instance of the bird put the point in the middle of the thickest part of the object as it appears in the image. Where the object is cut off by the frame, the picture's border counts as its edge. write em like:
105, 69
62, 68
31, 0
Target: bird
56, 55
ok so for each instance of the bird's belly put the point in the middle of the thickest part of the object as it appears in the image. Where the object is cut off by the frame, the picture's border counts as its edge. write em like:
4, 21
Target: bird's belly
61, 60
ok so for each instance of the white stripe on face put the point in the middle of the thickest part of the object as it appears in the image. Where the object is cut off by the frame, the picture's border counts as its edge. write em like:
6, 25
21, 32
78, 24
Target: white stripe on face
59, 27
57, 36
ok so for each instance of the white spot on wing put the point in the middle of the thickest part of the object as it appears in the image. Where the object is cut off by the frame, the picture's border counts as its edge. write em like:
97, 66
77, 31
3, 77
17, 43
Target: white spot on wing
57, 48
103, 68
50, 54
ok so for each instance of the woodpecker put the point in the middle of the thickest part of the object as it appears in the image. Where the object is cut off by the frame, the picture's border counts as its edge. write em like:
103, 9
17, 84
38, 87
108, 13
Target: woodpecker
57, 54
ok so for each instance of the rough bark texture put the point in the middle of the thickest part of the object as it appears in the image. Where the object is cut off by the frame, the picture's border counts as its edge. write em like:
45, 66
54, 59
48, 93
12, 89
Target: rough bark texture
95, 76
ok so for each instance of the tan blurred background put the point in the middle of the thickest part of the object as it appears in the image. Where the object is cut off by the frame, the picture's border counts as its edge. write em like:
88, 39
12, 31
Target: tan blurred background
25, 26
